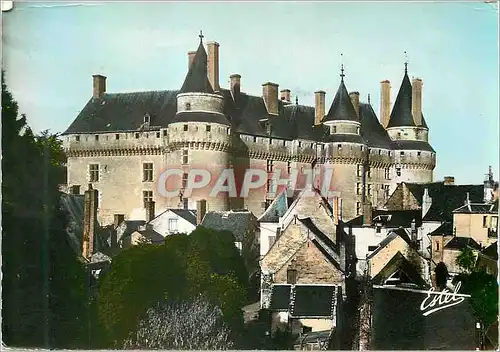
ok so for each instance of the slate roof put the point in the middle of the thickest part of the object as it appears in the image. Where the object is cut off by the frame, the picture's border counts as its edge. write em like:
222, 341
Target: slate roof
412, 145
388, 239
462, 242
401, 114
313, 301
391, 218
444, 229
491, 251
197, 78
152, 235
280, 297
478, 208
341, 108
236, 222
276, 209
399, 262
445, 198
188, 215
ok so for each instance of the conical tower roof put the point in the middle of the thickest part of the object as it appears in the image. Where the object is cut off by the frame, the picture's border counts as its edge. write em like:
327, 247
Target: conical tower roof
197, 78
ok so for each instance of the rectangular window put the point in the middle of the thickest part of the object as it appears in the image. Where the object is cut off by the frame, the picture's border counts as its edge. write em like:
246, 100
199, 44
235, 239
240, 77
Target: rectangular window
157, 134
437, 246
164, 133
147, 172
184, 180
419, 153
137, 135
402, 153
208, 128
378, 229
358, 208
77, 138
255, 139
117, 136
369, 190
398, 171
369, 172
185, 127
272, 239
358, 189
339, 146
371, 248
185, 203
94, 172
172, 225
75, 189
291, 276
485, 221
360, 170
289, 167
96, 137
300, 144
387, 173
334, 129
147, 196
269, 166
185, 158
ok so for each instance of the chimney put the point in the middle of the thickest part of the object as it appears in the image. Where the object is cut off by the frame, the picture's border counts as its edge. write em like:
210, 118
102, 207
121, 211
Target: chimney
89, 221
235, 85
367, 213
191, 55
385, 102
285, 95
99, 86
335, 210
150, 211
449, 180
416, 101
201, 209
319, 99
270, 95
355, 101
213, 65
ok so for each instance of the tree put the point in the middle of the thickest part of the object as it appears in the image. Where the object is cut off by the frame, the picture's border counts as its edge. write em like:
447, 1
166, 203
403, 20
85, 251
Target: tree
466, 259
182, 325
441, 275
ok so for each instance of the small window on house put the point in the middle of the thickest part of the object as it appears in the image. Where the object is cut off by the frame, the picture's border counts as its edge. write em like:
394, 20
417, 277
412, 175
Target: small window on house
147, 172
228, 131
378, 229
185, 203
147, 118
209, 128
164, 133
360, 170
147, 196
291, 276
334, 129
371, 248
188, 106
184, 180
399, 134
157, 134
300, 144
357, 130
185, 127
271, 239
77, 138
172, 225
137, 135
379, 152
270, 141
75, 189
185, 156
390, 153
96, 137
117, 136
94, 172
369, 190
437, 246
369, 172
398, 171
362, 148
284, 143
358, 188
485, 221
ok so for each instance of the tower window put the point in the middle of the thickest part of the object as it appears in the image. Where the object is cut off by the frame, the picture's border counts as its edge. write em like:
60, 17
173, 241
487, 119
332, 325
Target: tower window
402, 153
147, 172
370, 190
358, 188
437, 246
147, 196
419, 153
96, 137
289, 167
357, 130
358, 208
185, 158
185, 203
339, 147
137, 135
117, 136
209, 128
398, 171
334, 129
360, 170
164, 133
94, 172
147, 118
184, 180
188, 106
269, 166
300, 144
255, 139
185, 127
387, 173
77, 138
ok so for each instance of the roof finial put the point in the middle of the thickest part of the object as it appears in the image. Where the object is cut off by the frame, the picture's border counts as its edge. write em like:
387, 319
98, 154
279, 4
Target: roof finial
368, 98
296, 100
201, 36
406, 62
342, 67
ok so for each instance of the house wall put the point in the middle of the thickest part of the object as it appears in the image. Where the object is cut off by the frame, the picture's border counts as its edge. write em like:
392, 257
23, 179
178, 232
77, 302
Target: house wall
314, 324
283, 248
471, 225
160, 224
267, 229
423, 232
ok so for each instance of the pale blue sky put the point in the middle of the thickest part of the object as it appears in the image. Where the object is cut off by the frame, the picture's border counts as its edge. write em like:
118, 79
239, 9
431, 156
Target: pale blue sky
51, 50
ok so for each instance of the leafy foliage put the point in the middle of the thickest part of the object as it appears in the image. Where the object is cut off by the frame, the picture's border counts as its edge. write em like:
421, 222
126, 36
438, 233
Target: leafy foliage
191, 324
43, 294
466, 259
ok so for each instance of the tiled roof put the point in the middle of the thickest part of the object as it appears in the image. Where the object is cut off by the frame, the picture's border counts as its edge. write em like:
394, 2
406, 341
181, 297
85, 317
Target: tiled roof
391, 218
475, 208
313, 301
462, 242
445, 198
401, 114
236, 222
197, 78
341, 108
276, 209
280, 297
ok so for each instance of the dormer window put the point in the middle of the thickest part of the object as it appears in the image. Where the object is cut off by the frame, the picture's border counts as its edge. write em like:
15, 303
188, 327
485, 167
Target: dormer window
147, 118
188, 106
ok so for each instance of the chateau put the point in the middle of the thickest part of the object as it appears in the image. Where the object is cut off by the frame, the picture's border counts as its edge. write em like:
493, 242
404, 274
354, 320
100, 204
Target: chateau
121, 142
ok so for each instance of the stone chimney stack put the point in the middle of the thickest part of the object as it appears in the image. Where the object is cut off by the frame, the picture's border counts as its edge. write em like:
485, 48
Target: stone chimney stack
191, 55
285, 95
367, 213
449, 180
270, 95
416, 101
89, 221
385, 102
355, 101
213, 65
201, 209
235, 85
99, 86
319, 111
150, 211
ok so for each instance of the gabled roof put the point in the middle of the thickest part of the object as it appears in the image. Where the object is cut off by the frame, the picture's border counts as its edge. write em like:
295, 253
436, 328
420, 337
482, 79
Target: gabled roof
276, 209
341, 108
476, 208
197, 79
401, 115
188, 215
313, 301
461, 243
391, 218
405, 268
236, 222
